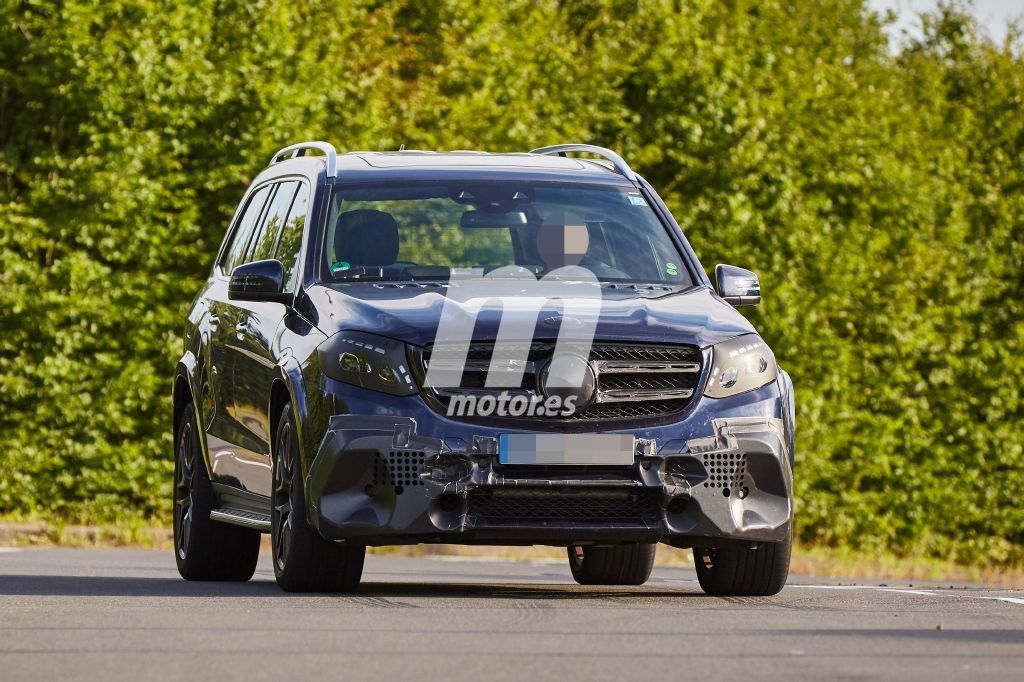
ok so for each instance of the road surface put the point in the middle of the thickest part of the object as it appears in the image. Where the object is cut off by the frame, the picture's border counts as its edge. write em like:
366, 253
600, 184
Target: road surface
125, 615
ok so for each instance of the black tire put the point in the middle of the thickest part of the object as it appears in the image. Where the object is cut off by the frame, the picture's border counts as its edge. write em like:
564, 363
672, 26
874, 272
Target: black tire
759, 571
618, 565
303, 560
205, 549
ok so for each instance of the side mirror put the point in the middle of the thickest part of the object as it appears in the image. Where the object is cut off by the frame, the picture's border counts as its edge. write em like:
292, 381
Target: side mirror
261, 280
737, 286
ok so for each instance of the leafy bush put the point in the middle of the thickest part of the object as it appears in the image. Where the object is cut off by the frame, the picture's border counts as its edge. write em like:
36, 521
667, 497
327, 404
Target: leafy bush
878, 194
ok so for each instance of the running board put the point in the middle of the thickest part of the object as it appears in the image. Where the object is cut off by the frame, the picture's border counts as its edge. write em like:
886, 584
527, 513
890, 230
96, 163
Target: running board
241, 517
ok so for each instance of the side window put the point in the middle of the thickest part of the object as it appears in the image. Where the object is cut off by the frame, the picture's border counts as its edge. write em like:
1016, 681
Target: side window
291, 237
266, 237
243, 231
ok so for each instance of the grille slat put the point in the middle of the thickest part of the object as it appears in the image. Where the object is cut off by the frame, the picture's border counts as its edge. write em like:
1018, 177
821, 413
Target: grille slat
506, 507
640, 353
645, 381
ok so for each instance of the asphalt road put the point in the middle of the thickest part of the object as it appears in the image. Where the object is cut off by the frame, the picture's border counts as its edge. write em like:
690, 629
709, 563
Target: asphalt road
125, 615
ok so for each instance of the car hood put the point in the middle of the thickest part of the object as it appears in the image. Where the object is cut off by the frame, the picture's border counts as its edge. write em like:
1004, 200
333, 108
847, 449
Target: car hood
411, 314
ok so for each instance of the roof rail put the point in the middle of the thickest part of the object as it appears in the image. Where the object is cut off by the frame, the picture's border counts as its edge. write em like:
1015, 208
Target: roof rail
617, 161
300, 149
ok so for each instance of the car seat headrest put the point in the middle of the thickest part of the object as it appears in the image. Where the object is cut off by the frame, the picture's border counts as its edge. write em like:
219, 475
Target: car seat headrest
366, 237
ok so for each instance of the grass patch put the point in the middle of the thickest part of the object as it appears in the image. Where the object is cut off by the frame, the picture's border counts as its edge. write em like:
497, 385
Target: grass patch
138, 534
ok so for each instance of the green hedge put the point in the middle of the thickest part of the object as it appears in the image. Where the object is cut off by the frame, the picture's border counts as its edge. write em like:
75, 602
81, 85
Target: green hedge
878, 192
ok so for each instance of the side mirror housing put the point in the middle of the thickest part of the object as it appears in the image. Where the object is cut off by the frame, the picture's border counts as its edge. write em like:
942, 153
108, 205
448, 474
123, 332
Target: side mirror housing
737, 286
261, 280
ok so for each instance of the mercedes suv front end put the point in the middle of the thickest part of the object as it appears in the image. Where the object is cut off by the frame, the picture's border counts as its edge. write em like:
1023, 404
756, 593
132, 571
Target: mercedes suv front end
471, 348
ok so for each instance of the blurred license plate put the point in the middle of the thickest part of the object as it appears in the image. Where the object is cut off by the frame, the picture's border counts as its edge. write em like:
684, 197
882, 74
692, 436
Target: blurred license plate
566, 448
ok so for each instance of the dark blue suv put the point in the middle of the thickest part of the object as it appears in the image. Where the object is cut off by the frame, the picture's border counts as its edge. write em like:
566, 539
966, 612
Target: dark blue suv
472, 348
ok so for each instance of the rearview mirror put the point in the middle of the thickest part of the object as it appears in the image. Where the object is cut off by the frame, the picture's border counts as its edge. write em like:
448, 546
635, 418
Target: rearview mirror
737, 286
261, 280
487, 219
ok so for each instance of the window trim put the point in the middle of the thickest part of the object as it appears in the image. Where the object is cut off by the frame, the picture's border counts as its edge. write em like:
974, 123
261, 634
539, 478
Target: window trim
247, 256
310, 195
233, 232
219, 272
253, 241
284, 223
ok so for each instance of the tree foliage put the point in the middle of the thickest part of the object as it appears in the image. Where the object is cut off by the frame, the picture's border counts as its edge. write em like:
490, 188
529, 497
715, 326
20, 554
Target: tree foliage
878, 192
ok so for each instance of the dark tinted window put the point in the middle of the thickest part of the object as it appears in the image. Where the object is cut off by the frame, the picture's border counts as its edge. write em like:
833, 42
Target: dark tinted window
291, 237
243, 231
266, 237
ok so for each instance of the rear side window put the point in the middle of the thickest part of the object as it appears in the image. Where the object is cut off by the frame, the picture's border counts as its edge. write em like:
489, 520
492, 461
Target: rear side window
244, 229
266, 237
291, 237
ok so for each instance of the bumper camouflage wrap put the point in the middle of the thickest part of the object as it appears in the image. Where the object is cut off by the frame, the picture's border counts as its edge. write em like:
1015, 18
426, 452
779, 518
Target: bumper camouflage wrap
375, 480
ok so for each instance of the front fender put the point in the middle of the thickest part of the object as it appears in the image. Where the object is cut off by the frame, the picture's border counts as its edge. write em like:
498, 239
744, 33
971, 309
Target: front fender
788, 412
289, 374
187, 372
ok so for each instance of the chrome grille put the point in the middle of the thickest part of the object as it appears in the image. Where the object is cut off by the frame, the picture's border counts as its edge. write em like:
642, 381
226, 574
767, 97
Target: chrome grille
633, 381
649, 382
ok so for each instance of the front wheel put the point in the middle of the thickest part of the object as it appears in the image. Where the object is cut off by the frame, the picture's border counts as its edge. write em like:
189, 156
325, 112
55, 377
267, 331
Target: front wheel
759, 571
618, 565
303, 560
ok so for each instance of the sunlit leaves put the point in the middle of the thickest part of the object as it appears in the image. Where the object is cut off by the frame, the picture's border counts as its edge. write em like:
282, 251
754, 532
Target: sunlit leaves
880, 196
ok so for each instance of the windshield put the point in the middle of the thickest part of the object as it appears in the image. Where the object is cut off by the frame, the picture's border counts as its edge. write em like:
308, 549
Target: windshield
434, 231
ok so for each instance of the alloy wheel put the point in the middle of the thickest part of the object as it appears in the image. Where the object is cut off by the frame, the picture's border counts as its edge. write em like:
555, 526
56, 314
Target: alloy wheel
283, 495
184, 491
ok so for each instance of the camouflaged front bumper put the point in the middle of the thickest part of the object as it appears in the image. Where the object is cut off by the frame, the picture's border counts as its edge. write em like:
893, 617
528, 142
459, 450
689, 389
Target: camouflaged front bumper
375, 481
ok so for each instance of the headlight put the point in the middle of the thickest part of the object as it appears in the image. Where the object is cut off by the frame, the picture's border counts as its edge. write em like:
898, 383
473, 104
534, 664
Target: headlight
368, 361
739, 365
